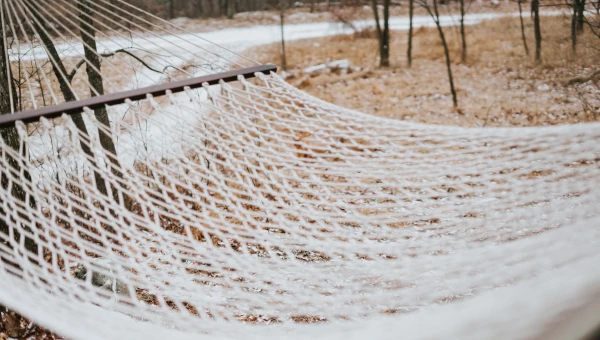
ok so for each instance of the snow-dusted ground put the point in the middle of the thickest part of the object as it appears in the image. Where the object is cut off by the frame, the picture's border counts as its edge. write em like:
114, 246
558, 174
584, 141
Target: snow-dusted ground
238, 39
162, 134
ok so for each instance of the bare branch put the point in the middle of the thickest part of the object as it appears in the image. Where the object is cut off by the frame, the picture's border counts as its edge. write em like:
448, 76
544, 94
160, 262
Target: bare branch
579, 80
108, 55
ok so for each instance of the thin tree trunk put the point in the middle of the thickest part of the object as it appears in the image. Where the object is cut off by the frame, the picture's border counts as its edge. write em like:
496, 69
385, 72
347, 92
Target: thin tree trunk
377, 23
523, 28
11, 138
93, 66
574, 26
535, 9
383, 35
463, 55
580, 16
282, 26
436, 18
230, 9
61, 75
171, 9
385, 48
198, 12
411, 11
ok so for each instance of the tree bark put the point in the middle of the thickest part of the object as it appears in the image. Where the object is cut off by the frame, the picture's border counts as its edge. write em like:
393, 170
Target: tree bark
11, 138
436, 17
61, 75
411, 11
580, 16
171, 9
463, 55
447, 53
523, 28
383, 35
574, 19
535, 9
198, 10
282, 26
230, 9
93, 67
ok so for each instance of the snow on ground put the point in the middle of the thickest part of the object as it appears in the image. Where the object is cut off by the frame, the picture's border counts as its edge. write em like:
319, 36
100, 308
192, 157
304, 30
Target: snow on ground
162, 134
238, 39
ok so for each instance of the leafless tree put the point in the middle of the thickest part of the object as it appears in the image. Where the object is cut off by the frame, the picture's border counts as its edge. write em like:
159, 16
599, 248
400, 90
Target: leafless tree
411, 12
230, 9
61, 75
281, 7
95, 79
433, 11
383, 34
522, 27
10, 321
11, 138
171, 9
463, 36
580, 15
535, 11
574, 18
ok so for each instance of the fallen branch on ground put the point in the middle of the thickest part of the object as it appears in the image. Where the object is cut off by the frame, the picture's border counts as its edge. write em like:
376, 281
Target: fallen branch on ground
579, 80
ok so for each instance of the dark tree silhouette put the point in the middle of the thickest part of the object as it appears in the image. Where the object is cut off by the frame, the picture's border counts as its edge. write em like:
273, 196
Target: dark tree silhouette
411, 12
523, 27
435, 15
535, 11
383, 34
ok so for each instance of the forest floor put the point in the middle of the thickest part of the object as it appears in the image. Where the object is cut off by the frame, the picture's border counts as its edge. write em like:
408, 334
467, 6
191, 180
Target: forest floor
498, 84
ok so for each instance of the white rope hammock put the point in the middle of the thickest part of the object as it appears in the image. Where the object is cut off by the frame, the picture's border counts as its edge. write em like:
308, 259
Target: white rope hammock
252, 209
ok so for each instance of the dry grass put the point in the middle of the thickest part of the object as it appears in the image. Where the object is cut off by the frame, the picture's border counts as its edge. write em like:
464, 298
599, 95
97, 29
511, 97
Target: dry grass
498, 85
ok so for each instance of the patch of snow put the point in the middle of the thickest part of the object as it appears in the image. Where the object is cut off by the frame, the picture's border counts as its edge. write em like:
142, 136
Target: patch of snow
240, 39
338, 64
180, 21
543, 88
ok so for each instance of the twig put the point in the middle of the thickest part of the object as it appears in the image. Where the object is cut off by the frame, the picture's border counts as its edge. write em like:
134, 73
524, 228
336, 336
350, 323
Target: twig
579, 80
110, 54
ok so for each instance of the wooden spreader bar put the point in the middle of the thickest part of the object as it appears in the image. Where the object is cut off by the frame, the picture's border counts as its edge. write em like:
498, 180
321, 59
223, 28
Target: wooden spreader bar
137, 94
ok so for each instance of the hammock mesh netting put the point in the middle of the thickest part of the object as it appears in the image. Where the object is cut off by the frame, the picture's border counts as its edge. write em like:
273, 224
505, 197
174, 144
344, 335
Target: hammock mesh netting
252, 210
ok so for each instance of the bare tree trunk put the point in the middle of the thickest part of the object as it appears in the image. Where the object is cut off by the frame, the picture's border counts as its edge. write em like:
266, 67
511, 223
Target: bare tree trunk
574, 18
171, 9
463, 55
230, 9
312, 6
282, 26
411, 11
383, 35
11, 138
385, 48
61, 75
580, 16
198, 12
93, 67
523, 27
435, 14
535, 9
